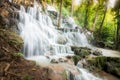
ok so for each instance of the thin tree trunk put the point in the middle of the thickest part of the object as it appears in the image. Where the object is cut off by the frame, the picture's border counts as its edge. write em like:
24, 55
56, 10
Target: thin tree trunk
86, 15
94, 20
60, 14
72, 7
117, 32
101, 25
52, 1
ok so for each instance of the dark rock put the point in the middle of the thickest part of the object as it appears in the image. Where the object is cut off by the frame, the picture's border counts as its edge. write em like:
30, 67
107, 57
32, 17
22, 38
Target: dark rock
97, 52
54, 61
100, 44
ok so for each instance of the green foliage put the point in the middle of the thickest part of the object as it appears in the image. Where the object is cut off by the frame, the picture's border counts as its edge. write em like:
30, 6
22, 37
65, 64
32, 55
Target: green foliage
27, 78
76, 58
65, 12
17, 55
95, 12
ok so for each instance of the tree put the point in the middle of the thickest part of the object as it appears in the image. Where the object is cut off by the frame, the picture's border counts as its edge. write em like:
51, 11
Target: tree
86, 13
101, 25
117, 11
60, 14
72, 7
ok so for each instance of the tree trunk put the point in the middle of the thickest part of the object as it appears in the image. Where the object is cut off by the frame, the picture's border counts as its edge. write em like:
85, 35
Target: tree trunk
60, 14
72, 7
117, 31
94, 20
86, 15
101, 25
52, 1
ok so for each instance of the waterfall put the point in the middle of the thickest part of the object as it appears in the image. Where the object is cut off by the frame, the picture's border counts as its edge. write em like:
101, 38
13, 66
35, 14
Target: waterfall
42, 38
37, 31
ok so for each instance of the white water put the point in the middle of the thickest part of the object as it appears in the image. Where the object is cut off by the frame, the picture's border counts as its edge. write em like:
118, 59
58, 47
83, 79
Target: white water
85, 75
40, 38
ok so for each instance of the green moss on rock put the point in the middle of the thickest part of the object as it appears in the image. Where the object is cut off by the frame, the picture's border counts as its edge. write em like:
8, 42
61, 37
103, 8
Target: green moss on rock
10, 42
76, 58
108, 64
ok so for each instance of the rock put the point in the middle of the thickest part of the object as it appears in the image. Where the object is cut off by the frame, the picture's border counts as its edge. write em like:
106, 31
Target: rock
54, 61
69, 57
100, 44
61, 40
61, 60
76, 58
10, 42
81, 51
97, 52
108, 64
69, 22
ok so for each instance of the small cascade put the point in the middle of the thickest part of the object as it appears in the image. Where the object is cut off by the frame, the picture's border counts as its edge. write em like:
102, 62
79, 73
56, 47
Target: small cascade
61, 49
76, 39
85, 75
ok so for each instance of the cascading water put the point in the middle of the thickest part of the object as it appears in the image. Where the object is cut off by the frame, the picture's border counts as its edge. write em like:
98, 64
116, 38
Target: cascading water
85, 75
41, 38
37, 31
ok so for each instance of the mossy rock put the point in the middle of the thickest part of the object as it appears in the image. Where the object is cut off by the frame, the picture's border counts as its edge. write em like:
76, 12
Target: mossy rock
81, 51
108, 64
76, 58
10, 42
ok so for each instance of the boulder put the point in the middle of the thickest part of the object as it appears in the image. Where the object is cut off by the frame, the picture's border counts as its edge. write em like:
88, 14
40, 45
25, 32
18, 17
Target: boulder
97, 52
81, 51
54, 61
61, 40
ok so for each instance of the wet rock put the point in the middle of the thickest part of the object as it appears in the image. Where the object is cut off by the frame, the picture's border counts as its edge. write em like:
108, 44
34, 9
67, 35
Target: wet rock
62, 40
81, 51
69, 22
61, 60
108, 64
100, 44
54, 61
76, 59
97, 52
69, 57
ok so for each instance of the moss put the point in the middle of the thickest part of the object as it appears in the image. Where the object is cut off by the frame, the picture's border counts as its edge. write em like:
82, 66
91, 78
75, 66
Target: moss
17, 55
64, 75
76, 59
81, 51
108, 64
28, 78
10, 41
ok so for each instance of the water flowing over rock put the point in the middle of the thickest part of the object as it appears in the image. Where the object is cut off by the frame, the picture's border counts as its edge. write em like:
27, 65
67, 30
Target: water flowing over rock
47, 45
40, 36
